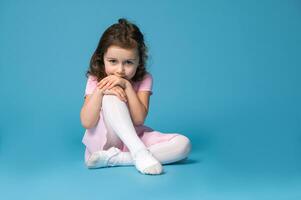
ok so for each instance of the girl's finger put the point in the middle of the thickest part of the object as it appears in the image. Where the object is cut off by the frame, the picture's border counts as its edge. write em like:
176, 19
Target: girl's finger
120, 94
105, 84
113, 84
102, 80
101, 83
121, 91
103, 88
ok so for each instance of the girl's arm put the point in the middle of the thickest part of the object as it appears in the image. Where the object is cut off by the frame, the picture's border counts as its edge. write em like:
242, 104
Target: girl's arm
138, 104
89, 114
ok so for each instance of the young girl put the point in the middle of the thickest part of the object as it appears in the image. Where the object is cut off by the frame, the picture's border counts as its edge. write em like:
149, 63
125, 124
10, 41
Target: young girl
116, 104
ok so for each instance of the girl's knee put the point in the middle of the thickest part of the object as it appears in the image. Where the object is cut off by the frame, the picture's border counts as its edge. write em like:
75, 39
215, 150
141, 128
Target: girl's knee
109, 99
183, 145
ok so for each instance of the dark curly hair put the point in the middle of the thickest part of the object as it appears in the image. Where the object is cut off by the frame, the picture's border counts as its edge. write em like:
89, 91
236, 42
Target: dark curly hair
123, 34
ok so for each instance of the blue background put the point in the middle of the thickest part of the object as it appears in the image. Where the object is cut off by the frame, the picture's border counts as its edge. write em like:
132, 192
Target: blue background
226, 74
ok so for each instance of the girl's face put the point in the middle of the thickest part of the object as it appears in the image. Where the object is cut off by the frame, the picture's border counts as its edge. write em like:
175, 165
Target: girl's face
121, 62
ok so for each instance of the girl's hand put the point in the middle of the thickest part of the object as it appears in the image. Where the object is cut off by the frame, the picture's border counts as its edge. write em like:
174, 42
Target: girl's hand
117, 91
111, 81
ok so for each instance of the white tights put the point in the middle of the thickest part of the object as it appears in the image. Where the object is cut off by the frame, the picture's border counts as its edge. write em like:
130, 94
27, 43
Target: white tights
120, 129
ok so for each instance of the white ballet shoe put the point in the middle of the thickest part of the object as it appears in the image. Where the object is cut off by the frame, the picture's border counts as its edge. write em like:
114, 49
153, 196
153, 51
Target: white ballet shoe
146, 163
100, 159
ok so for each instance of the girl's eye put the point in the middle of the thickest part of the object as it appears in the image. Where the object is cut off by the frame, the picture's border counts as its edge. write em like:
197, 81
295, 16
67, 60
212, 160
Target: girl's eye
112, 61
129, 62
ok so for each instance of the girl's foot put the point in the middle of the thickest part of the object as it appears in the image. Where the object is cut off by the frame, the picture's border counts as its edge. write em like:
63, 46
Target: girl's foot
144, 160
101, 158
146, 163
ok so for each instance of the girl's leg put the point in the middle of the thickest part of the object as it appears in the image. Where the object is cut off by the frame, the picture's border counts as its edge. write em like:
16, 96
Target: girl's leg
116, 115
176, 149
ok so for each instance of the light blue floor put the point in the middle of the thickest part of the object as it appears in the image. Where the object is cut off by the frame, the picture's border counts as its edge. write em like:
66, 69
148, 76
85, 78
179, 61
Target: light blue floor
204, 175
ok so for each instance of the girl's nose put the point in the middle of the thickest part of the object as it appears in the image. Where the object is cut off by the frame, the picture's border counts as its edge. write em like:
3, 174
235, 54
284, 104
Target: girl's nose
120, 69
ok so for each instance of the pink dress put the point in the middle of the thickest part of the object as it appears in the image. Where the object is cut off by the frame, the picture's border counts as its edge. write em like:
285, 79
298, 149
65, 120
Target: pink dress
96, 137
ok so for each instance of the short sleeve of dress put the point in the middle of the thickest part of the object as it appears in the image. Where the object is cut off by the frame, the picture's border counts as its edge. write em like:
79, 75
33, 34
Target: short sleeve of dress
146, 84
91, 85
